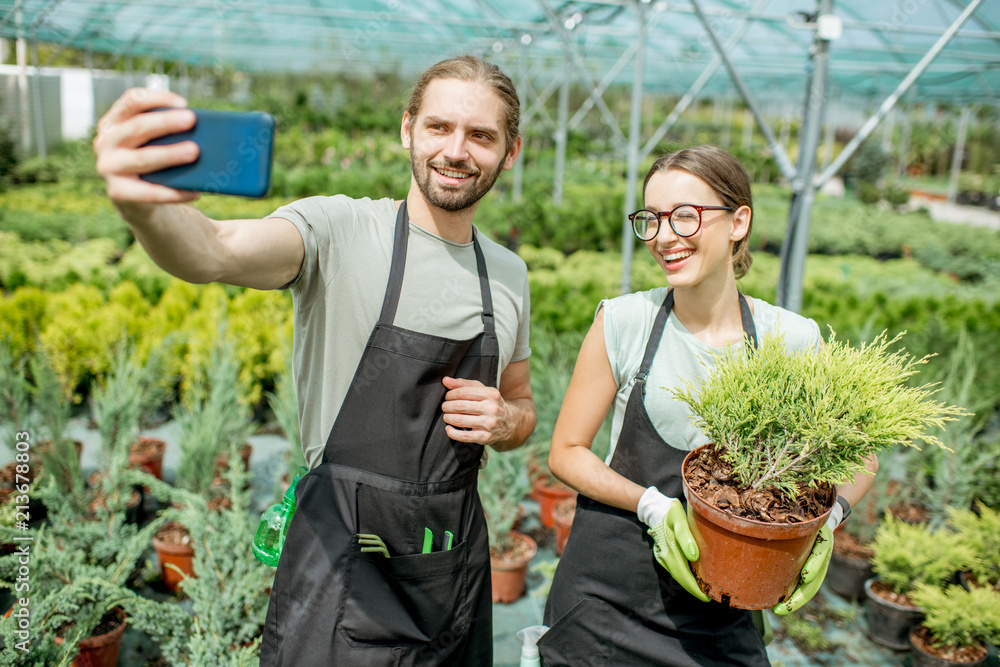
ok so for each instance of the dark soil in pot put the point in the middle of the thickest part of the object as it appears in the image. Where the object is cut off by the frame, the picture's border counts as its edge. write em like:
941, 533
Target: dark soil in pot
925, 654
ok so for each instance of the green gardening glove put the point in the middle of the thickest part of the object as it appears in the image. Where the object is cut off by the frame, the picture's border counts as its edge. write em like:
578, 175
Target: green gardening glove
812, 575
673, 543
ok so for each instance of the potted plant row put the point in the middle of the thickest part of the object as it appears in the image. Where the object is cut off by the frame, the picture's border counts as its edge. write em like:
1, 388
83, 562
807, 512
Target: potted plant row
502, 485
785, 429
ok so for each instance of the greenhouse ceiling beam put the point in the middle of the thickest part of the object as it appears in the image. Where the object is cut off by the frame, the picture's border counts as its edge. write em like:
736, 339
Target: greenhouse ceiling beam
981, 21
699, 83
577, 60
960, 46
86, 27
780, 156
890, 101
610, 76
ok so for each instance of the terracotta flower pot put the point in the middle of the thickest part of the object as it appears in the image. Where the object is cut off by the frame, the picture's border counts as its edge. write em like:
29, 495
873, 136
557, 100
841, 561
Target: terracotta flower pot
101, 650
172, 549
548, 494
924, 654
563, 514
147, 453
508, 571
745, 563
890, 623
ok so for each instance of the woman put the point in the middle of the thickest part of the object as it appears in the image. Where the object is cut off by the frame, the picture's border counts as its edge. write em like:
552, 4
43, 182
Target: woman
623, 593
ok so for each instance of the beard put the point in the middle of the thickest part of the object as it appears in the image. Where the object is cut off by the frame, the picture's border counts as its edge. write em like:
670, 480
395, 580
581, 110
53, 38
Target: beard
455, 198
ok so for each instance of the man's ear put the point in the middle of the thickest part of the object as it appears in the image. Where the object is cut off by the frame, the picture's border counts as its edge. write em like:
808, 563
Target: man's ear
404, 130
741, 223
512, 154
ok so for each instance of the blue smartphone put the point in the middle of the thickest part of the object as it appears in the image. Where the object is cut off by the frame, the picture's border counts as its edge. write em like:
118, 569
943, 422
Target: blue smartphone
235, 158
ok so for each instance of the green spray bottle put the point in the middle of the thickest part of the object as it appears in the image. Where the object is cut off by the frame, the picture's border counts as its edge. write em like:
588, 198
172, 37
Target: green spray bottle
273, 526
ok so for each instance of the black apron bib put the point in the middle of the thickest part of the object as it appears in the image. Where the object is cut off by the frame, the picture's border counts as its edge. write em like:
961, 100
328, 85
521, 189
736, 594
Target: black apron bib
389, 469
611, 602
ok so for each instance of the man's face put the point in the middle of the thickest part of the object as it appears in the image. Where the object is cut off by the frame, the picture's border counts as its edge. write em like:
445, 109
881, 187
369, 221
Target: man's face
456, 142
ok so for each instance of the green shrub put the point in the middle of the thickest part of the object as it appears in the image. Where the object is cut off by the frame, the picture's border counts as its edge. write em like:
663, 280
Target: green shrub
980, 532
957, 617
907, 555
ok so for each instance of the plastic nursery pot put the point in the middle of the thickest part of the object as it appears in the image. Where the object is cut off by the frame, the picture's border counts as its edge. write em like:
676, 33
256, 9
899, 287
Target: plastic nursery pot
171, 553
847, 575
508, 572
973, 656
889, 623
547, 495
147, 453
744, 563
100, 650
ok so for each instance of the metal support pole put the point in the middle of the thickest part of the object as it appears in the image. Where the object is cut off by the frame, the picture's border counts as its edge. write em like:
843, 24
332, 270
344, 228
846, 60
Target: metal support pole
831, 130
956, 157
635, 127
796, 244
517, 189
562, 133
780, 156
21, 48
902, 157
903, 86
37, 95
747, 130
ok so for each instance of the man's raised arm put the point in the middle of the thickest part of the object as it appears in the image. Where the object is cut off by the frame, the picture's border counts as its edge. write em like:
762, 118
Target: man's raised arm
263, 254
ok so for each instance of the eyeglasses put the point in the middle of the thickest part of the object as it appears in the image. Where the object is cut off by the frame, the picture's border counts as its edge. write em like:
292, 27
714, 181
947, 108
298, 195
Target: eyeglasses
685, 220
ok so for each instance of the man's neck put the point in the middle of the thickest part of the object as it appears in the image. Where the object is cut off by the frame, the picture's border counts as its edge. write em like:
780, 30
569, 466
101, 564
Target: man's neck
454, 226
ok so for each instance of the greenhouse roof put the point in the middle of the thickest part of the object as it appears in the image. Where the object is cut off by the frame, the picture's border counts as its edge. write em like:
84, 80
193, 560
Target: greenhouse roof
540, 40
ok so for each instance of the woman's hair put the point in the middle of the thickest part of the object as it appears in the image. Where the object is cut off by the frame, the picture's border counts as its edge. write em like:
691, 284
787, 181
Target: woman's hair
726, 176
473, 68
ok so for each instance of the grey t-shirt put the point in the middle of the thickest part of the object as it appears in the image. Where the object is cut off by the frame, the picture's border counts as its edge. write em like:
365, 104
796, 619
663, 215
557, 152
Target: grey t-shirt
628, 322
339, 290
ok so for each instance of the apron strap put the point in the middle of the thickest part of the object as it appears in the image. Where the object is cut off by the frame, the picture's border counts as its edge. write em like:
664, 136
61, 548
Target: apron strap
395, 286
654, 339
661, 319
484, 285
748, 326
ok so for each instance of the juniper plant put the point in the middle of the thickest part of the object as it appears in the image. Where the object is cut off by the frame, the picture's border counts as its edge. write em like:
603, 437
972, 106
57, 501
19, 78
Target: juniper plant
785, 420
502, 486
80, 570
959, 618
211, 417
14, 393
907, 555
60, 460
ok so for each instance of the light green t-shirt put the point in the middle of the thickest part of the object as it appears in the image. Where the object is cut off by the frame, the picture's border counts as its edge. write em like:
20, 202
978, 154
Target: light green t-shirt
339, 290
628, 322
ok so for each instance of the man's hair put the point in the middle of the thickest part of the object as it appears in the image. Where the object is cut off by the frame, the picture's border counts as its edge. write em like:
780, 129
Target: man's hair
473, 68
727, 178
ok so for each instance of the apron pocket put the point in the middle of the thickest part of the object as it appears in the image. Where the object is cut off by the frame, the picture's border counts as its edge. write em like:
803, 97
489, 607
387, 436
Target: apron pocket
406, 600
578, 637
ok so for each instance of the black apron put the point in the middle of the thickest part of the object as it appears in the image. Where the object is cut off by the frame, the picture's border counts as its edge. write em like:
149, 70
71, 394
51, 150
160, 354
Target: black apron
389, 469
611, 602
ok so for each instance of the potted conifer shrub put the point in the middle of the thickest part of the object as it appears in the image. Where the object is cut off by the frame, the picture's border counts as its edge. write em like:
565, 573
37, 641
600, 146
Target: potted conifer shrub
905, 556
212, 420
82, 573
784, 430
957, 627
979, 530
502, 485
851, 561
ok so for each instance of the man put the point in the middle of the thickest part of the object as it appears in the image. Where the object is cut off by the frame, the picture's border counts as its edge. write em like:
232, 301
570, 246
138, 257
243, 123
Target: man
402, 376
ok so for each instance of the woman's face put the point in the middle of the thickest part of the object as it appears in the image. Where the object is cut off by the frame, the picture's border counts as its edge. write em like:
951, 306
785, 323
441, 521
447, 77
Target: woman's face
707, 254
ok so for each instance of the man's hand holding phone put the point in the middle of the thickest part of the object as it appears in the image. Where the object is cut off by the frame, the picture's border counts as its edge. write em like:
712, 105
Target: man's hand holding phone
122, 154
149, 136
